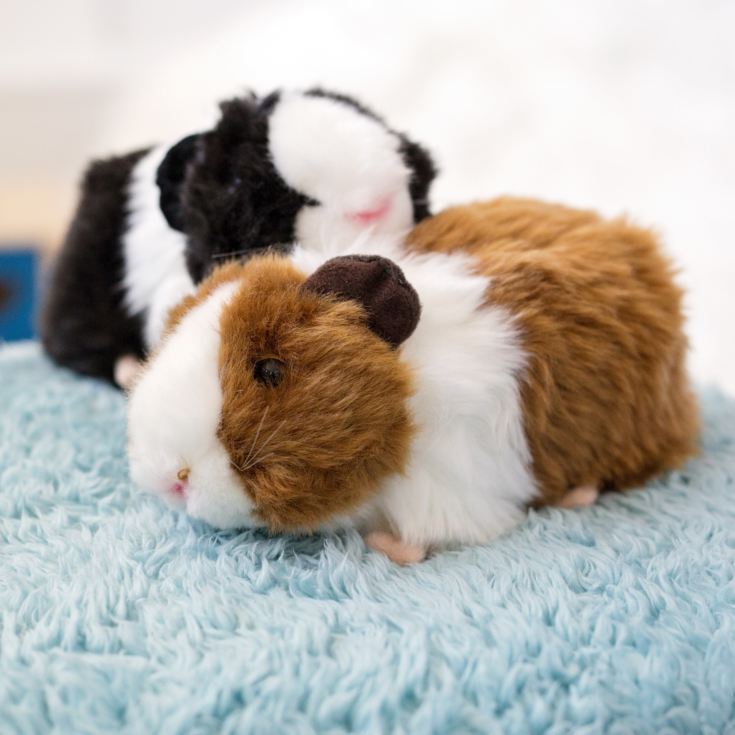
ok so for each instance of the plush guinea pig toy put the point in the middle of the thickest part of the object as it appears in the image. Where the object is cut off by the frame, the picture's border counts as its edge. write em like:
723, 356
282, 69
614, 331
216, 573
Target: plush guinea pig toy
294, 166
511, 353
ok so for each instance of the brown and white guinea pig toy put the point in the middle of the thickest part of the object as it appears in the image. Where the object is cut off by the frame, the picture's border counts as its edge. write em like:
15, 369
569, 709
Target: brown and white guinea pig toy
510, 353
294, 166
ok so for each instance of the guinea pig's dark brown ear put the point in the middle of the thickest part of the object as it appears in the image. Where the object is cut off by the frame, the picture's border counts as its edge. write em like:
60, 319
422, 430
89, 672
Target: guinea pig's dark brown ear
391, 304
170, 178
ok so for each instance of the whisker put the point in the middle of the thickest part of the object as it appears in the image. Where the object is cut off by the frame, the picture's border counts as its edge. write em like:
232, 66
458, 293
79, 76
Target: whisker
259, 454
232, 253
263, 249
257, 434
265, 443
256, 461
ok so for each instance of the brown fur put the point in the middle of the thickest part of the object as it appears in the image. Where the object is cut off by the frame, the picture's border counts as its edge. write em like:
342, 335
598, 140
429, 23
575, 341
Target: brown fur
605, 395
322, 440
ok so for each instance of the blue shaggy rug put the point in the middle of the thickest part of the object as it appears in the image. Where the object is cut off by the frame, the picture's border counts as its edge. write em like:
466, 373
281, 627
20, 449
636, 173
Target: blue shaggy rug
117, 614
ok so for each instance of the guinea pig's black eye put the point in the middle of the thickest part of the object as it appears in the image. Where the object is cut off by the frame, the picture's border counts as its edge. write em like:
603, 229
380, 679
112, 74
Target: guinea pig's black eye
269, 372
234, 184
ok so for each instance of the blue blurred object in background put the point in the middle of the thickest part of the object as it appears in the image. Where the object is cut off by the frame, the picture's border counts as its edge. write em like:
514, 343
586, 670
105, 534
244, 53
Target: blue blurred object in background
18, 293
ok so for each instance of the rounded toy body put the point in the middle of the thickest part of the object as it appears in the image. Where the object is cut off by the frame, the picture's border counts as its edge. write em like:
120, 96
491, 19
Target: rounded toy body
548, 355
605, 395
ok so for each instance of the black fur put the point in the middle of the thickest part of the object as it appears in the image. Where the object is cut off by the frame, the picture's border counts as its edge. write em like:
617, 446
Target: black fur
423, 172
83, 323
170, 178
234, 204
345, 100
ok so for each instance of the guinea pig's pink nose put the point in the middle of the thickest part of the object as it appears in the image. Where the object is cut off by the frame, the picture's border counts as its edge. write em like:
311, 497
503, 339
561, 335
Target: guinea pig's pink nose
369, 216
178, 488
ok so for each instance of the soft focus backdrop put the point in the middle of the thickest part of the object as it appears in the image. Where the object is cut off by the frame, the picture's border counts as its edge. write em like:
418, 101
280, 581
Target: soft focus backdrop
623, 106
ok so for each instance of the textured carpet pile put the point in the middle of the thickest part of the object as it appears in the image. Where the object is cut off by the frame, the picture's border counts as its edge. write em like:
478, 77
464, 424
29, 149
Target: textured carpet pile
118, 614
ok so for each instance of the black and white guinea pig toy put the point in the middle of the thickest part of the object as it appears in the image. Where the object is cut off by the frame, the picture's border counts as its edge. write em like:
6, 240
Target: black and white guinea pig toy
295, 166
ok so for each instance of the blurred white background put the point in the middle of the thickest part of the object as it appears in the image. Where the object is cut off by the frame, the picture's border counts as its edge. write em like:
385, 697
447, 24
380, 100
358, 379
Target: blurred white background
624, 106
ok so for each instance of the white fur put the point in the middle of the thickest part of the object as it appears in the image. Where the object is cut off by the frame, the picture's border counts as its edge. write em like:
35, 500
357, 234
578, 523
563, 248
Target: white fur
156, 278
469, 476
174, 412
345, 160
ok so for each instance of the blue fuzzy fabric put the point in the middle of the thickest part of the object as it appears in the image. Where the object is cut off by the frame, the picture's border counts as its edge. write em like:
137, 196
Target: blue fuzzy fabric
118, 614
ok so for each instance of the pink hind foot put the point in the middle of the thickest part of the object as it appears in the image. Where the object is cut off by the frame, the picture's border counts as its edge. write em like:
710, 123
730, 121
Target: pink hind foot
127, 368
580, 497
395, 549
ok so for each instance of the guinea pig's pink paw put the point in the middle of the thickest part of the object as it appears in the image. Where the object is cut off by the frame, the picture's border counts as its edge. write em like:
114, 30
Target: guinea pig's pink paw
580, 497
395, 549
127, 368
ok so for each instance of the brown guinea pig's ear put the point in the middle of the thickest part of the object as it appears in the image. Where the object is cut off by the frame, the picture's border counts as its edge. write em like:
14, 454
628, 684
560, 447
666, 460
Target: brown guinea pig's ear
391, 304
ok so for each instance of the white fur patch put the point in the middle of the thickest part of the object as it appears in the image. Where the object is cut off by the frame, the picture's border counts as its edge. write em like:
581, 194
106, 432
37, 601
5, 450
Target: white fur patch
173, 415
346, 161
469, 476
156, 278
